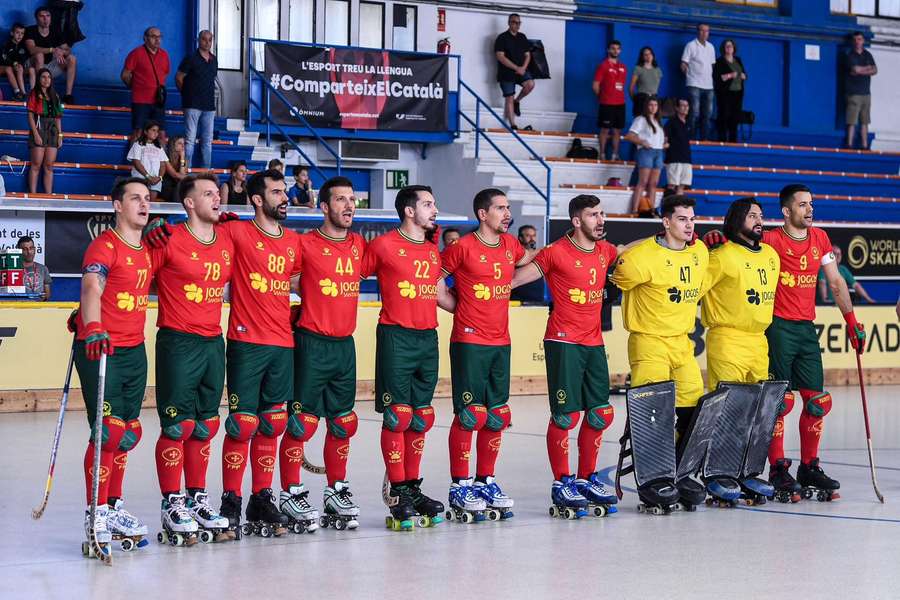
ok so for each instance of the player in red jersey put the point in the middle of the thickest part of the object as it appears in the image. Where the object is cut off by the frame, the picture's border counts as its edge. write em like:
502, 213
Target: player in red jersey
794, 353
190, 275
577, 372
408, 265
325, 357
482, 264
116, 274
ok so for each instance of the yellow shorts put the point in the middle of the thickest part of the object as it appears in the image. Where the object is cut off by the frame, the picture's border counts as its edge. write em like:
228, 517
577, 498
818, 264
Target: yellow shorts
734, 355
654, 358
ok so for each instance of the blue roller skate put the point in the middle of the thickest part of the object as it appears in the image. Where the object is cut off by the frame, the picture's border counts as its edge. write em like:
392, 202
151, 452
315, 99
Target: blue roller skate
600, 501
568, 503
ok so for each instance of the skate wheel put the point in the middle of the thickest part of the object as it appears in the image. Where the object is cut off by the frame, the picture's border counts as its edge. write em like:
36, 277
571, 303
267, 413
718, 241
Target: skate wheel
493, 514
822, 497
246, 529
641, 508
834, 496
807, 494
179, 539
161, 537
600, 511
449, 515
389, 522
467, 517
323, 522
709, 501
352, 524
436, 520
657, 511
265, 531
206, 536
340, 525
127, 545
422, 521
554, 512
571, 514
297, 528
85, 549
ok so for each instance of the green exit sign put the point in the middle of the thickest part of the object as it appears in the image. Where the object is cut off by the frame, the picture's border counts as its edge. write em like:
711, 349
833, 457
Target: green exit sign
397, 179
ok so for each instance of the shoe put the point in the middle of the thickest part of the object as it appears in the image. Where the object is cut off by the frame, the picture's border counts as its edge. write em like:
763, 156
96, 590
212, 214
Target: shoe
68, 99
122, 522
492, 494
18, 95
101, 529
517, 109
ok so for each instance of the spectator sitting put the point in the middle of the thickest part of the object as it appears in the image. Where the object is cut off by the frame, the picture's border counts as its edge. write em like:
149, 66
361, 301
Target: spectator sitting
277, 165
513, 53
853, 286
609, 87
697, 65
648, 136
148, 159
37, 276
859, 67
645, 80
176, 168
530, 292
196, 78
728, 77
47, 49
301, 193
679, 170
234, 191
44, 131
14, 60
145, 72
450, 236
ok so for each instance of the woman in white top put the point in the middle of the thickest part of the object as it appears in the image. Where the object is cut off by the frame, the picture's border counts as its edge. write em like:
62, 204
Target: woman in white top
148, 159
647, 135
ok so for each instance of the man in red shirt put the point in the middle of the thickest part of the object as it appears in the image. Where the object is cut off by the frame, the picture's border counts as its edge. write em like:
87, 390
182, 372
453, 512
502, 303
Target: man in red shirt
482, 264
408, 265
609, 87
191, 272
145, 71
794, 353
577, 372
115, 284
330, 264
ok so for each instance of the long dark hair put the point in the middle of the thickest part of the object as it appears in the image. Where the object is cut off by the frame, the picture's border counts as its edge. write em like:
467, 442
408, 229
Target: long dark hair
645, 112
737, 212
640, 60
51, 96
142, 140
722, 47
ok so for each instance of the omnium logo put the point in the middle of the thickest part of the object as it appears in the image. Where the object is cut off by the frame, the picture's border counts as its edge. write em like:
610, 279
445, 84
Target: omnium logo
97, 224
7, 332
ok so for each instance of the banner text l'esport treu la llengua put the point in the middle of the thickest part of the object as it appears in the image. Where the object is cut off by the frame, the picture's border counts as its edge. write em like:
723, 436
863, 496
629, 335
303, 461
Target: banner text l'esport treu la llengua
386, 89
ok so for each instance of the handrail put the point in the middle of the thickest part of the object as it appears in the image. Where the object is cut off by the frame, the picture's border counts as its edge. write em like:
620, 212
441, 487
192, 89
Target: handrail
269, 88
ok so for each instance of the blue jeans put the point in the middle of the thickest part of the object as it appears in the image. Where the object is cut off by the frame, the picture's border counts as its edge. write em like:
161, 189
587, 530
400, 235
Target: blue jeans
204, 118
701, 107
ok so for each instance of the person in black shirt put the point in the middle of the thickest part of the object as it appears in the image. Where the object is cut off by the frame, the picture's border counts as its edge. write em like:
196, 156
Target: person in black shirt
196, 78
301, 193
533, 292
48, 50
14, 61
679, 171
512, 50
859, 67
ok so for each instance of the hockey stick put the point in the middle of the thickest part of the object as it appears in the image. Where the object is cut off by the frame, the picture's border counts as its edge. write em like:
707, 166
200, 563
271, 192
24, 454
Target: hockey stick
36, 513
862, 395
104, 556
314, 469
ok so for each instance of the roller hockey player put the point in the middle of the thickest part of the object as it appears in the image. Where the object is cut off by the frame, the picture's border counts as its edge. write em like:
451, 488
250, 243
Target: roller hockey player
577, 373
408, 265
482, 264
330, 263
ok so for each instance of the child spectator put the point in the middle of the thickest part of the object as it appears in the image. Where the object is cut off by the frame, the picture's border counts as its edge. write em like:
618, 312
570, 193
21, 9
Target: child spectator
14, 60
44, 131
277, 165
148, 159
49, 50
234, 191
176, 168
301, 193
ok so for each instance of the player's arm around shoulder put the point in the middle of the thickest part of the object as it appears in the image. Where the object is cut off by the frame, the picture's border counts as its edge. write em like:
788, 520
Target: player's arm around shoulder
535, 268
633, 266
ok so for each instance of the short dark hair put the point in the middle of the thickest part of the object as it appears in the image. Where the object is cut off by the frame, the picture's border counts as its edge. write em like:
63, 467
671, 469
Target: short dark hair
613, 43
581, 202
786, 195
188, 183
483, 199
256, 186
24, 240
16, 26
670, 203
40, 9
522, 228
737, 212
516, 15
701, 24
299, 169
725, 41
448, 230
118, 190
325, 190
858, 33
274, 162
407, 197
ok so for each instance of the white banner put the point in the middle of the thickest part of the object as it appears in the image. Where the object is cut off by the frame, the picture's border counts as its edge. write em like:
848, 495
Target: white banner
16, 223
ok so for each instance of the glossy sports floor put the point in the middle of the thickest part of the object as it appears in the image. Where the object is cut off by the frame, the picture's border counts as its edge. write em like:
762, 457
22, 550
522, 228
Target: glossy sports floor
809, 549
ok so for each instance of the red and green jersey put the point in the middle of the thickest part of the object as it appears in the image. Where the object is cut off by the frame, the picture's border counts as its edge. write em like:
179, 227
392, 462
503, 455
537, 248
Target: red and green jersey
329, 282
795, 296
127, 270
190, 278
408, 272
261, 284
483, 276
576, 277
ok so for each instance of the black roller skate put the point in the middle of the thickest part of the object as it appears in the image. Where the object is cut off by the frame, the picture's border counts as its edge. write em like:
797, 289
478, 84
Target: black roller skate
756, 492
658, 497
814, 481
724, 492
403, 513
690, 494
231, 510
263, 517
786, 487
428, 509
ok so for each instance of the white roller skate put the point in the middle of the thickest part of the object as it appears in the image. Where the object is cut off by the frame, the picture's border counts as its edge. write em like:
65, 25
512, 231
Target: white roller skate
499, 505
101, 530
126, 528
340, 510
178, 527
212, 525
466, 505
302, 517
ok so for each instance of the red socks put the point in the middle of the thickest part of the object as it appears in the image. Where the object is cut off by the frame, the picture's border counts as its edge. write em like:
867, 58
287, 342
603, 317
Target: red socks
460, 450
488, 444
392, 450
234, 462
263, 449
117, 473
169, 461
290, 460
414, 446
588, 448
196, 461
337, 451
558, 450
106, 458
776, 446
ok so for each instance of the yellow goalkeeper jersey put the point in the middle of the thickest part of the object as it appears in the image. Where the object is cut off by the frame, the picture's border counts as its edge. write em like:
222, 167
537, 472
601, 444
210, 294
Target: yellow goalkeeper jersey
741, 287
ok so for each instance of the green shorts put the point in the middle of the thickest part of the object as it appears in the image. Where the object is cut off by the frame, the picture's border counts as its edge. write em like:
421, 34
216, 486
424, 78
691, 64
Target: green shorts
577, 377
794, 354
324, 374
126, 381
406, 366
190, 376
479, 374
259, 376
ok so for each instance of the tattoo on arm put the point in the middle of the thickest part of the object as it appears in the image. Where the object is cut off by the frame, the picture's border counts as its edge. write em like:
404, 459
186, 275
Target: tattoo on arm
102, 271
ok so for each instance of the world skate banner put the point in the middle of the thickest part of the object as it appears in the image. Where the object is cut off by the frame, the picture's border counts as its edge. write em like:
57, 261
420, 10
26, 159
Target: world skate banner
358, 89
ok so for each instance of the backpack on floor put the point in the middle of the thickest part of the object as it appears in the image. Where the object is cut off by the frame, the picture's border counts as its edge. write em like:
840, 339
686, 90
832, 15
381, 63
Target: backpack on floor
579, 150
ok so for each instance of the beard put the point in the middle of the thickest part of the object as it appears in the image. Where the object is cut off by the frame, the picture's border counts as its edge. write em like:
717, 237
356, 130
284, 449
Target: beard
273, 213
751, 235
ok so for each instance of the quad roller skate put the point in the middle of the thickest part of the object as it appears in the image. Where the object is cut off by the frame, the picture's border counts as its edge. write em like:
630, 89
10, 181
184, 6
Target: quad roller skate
786, 487
814, 482
340, 510
178, 527
294, 503
212, 527
756, 491
658, 497
466, 505
428, 509
403, 513
126, 528
691, 493
600, 502
723, 492
101, 531
231, 510
499, 505
568, 503
263, 517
